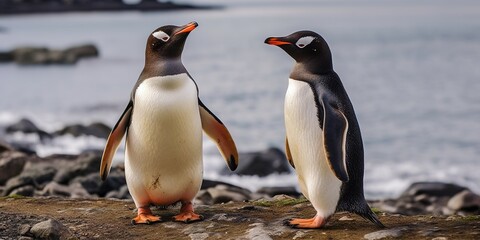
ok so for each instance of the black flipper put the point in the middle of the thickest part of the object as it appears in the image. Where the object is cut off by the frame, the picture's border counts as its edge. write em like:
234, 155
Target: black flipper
114, 140
335, 127
220, 135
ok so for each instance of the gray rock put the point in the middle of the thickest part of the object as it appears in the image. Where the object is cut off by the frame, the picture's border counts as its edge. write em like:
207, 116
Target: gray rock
77, 191
55, 189
42, 55
6, 56
27, 191
30, 55
437, 189
94, 185
82, 165
4, 146
27, 126
224, 194
389, 233
40, 172
272, 191
83, 51
24, 238
11, 164
122, 193
211, 183
95, 129
465, 200
262, 163
50, 229
74, 190
17, 182
24, 229
258, 232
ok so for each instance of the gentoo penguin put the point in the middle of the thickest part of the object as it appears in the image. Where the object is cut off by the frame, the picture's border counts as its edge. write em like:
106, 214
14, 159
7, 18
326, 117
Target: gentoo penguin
323, 140
163, 122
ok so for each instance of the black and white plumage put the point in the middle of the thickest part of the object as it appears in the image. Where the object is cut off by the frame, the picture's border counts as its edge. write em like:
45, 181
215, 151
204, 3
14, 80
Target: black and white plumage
163, 124
323, 141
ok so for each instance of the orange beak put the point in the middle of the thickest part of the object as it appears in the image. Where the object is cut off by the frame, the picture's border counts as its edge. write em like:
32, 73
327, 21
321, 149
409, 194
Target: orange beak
275, 41
188, 28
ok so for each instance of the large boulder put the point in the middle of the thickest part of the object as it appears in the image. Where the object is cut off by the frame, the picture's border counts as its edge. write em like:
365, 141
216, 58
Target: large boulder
30, 55
27, 126
42, 55
262, 163
465, 201
432, 189
11, 164
51, 229
81, 165
83, 51
6, 56
99, 130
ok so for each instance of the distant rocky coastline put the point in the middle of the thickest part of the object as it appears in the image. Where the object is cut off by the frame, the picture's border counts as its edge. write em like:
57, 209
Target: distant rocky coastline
32, 55
9, 7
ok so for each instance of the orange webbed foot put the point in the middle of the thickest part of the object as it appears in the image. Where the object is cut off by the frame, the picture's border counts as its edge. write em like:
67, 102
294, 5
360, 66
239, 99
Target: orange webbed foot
315, 222
186, 214
145, 216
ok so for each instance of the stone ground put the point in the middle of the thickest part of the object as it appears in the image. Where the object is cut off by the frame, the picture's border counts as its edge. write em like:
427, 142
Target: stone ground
110, 219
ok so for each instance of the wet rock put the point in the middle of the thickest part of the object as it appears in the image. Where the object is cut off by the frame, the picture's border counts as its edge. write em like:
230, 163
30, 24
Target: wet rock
50, 229
94, 185
11, 164
30, 55
42, 55
272, 191
91, 183
224, 194
83, 51
27, 191
6, 56
262, 163
210, 184
465, 200
82, 165
122, 193
428, 198
17, 182
40, 172
27, 126
386, 234
437, 189
4, 146
99, 130
55, 189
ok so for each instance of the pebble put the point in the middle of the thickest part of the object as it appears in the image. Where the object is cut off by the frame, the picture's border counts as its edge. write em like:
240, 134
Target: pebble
382, 234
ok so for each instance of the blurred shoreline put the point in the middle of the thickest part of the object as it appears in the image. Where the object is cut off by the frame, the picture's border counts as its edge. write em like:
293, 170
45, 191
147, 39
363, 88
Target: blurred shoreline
9, 7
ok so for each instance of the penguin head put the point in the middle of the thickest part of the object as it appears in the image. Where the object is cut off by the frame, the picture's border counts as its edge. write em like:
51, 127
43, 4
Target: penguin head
307, 48
167, 42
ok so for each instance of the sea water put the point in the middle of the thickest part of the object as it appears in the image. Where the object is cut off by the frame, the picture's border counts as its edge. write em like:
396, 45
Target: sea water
410, 68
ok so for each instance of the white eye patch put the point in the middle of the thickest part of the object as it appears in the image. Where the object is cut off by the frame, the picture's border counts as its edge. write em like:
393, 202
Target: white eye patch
304, 41
161, 35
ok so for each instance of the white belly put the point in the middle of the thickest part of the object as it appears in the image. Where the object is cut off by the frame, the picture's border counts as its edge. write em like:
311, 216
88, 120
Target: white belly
163, 157
317, 182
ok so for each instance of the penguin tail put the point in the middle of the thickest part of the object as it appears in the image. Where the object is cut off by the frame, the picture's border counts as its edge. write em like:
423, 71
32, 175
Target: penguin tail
369, 215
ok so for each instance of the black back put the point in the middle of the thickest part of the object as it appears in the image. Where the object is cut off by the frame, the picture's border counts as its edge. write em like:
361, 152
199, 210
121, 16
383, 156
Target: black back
314, 66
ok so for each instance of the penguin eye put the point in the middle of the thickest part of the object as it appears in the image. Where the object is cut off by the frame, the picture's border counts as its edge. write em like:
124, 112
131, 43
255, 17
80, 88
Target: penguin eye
304, 41
161, 35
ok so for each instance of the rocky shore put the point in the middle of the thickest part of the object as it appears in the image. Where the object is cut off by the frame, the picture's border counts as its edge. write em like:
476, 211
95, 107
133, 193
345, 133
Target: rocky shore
62, 218
65, 194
